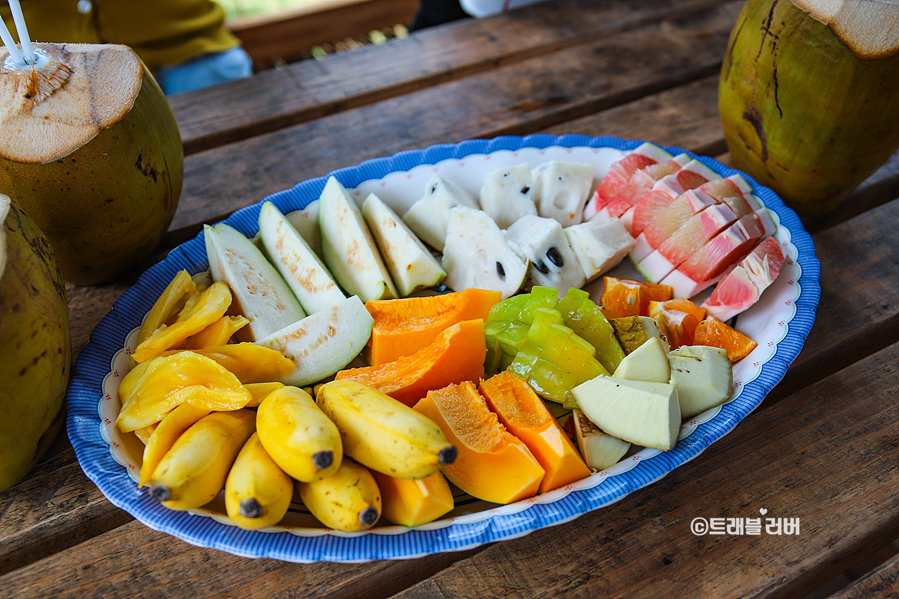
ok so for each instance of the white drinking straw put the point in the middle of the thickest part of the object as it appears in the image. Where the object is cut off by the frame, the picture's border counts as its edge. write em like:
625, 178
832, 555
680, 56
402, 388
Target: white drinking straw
22, 30
10, 45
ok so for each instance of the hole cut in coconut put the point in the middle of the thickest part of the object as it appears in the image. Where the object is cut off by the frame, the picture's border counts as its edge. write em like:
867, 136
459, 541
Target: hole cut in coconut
869, 29
54, 107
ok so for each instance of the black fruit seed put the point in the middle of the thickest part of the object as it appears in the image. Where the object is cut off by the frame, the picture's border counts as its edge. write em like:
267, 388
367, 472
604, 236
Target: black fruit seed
525, 189
500, 271
541, 266
555, 256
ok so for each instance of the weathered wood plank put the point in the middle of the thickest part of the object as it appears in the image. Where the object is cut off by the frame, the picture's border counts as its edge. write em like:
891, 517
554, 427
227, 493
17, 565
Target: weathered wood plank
882, 581
520, 98
311, 89
289, 36
826, 455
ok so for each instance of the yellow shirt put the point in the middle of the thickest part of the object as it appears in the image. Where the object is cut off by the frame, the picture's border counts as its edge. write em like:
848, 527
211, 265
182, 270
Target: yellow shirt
162, 32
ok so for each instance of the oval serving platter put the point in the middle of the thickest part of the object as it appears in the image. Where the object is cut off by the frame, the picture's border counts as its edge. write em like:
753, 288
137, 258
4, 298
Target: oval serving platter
779, 322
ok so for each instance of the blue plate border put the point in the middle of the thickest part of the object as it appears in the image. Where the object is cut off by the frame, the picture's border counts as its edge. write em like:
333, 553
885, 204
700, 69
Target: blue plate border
92, 365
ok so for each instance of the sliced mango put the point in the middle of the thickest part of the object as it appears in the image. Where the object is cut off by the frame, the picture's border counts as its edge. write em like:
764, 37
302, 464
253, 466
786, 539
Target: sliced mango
169, 381
218, 333
210, 305
169, 303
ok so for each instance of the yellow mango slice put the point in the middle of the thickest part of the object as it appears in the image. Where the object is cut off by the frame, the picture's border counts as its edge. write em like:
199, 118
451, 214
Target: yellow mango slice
185, 377
411, 502
170, 301
260, 391
210, 305
218, 333
249, 362
145, 433
164, 436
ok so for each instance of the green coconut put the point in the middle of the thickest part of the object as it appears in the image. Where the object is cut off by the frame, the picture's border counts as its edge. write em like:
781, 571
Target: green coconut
808, 96
34, 342
89, 147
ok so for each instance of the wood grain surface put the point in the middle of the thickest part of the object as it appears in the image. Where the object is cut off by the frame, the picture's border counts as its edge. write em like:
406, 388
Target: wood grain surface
823, 446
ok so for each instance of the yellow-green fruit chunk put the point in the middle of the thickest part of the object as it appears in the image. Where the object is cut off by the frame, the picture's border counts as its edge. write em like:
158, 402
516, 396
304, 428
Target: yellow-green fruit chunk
90, 149
802, 112
34, 343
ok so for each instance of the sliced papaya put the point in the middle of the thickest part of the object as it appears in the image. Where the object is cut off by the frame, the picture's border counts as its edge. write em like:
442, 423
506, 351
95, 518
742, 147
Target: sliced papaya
492, 463
412, 502
404, 326
456, 355
525, 415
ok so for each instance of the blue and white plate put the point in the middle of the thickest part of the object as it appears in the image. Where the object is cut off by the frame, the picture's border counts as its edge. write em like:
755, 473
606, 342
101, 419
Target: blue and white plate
779, 323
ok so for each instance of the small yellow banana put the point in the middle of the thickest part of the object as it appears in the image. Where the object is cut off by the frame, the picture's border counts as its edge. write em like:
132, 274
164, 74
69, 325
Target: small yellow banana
164, 436
193, 471
257, 491
348, 500
382, 433
298, 436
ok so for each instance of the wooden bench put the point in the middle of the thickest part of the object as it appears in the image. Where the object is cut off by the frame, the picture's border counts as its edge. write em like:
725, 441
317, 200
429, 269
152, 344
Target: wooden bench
289, 36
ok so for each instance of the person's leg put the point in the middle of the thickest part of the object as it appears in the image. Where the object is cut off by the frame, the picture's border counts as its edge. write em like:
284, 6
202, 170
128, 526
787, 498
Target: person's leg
436, 12
205, 70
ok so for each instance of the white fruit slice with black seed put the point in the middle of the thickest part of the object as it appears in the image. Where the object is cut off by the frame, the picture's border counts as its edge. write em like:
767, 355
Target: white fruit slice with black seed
477, 254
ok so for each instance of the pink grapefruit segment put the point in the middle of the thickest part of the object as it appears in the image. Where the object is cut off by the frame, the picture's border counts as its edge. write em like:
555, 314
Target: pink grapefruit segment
743, 286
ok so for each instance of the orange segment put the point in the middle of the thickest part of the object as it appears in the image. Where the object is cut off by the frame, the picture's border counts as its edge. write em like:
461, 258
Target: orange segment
629, 297
714, 333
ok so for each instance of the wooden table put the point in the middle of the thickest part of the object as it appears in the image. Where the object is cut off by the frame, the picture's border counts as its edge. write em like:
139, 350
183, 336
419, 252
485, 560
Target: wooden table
823, 446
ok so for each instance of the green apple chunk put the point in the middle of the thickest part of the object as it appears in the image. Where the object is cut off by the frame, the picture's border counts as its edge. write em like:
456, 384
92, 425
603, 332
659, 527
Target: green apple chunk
647, 363
599, 450
307, 277
323, 343
411, 264
646, 414
348, 248
704, 377
260, 293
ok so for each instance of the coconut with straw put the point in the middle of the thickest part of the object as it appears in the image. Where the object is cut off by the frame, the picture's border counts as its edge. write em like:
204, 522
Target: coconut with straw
90, 149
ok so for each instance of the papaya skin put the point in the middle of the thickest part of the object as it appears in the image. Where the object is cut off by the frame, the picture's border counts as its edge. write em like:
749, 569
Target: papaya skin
106, 205
35, 345
801, 113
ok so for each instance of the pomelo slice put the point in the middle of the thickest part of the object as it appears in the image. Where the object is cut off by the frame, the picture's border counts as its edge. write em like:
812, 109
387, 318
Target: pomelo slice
643, 181
743, 286
620, 173
709, 264
688, 239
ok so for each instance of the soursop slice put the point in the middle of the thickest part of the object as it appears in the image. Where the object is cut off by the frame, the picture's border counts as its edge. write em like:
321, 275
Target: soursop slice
507, 194
599, 245
544, 244
428, 216
561, 190
477, 254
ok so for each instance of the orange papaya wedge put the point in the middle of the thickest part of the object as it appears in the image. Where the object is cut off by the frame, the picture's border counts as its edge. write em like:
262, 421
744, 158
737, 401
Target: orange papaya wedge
525, 415
456, 355
492, 464
404, 326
